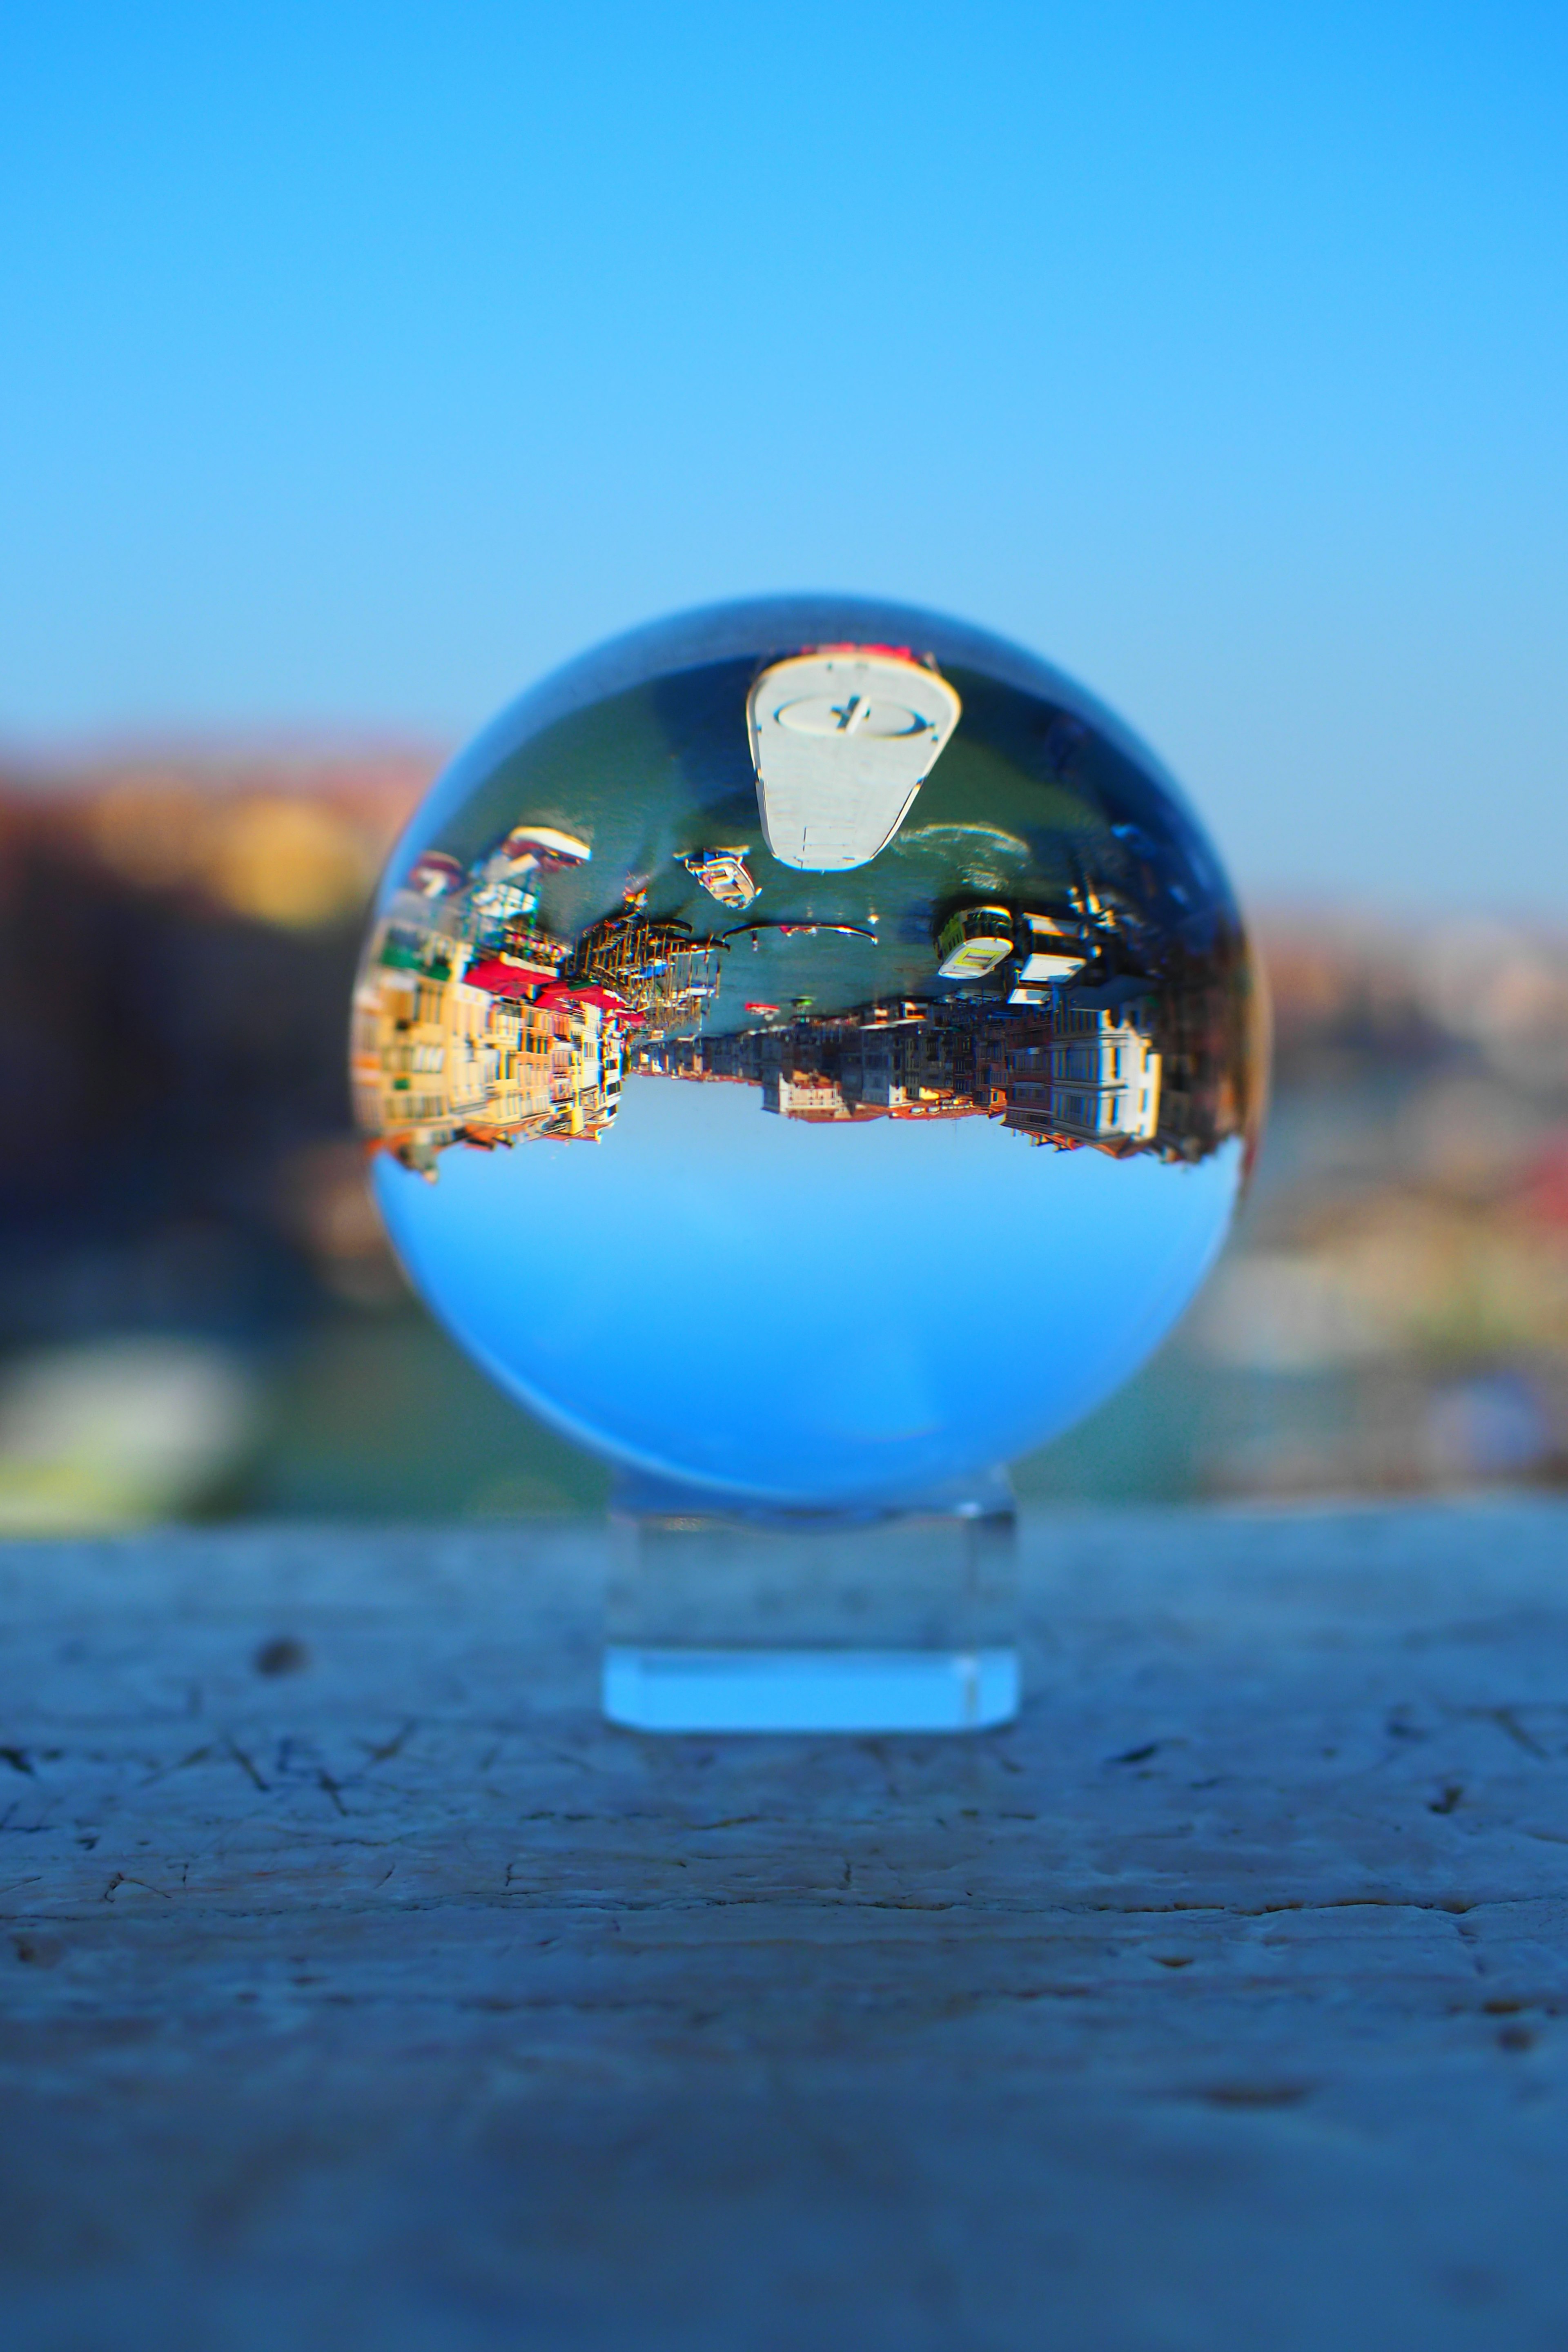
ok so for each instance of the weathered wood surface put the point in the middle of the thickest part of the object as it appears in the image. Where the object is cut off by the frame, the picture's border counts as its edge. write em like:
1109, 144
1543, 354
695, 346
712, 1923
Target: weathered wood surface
392, 1999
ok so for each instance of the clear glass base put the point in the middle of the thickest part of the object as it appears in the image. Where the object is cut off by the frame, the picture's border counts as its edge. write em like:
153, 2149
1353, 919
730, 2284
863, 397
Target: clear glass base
810, 1690
895, 1619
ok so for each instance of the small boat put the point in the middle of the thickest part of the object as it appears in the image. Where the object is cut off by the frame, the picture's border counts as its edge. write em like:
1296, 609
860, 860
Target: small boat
723, 876
435, 874
544, 846
974, 942
1051, 951
802, 931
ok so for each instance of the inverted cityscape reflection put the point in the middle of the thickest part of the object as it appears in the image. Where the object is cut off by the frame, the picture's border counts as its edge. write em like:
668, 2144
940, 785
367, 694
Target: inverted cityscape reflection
904, 1004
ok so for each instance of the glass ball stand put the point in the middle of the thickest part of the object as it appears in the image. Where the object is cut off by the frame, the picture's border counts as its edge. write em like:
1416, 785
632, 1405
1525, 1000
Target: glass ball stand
901, 1618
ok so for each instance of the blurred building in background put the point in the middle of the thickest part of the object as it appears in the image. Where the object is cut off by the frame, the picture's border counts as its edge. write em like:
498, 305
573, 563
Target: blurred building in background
198, 1313
1395, 1316
197, 1310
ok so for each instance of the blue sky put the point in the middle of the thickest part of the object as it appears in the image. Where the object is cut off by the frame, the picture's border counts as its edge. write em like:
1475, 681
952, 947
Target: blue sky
365, 361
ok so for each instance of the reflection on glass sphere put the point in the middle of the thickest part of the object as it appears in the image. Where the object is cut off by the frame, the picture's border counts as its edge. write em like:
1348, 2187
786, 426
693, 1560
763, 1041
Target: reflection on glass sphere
809, 1051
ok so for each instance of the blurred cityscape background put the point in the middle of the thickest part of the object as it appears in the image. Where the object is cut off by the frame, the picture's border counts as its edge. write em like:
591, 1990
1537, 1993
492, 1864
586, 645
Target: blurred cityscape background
371, 361
199, 1317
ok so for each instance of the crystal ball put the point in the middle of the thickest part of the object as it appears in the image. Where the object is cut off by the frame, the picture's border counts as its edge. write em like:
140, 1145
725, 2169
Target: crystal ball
809, 1052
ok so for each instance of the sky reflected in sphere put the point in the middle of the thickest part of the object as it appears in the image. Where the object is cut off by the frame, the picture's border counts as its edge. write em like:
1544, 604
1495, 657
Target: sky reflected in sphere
809, 1052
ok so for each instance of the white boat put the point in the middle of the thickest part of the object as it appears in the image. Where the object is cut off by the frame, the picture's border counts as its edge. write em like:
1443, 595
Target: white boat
1039, 968
1054, 952
544, 846
974, 942
842, 739
724, 874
